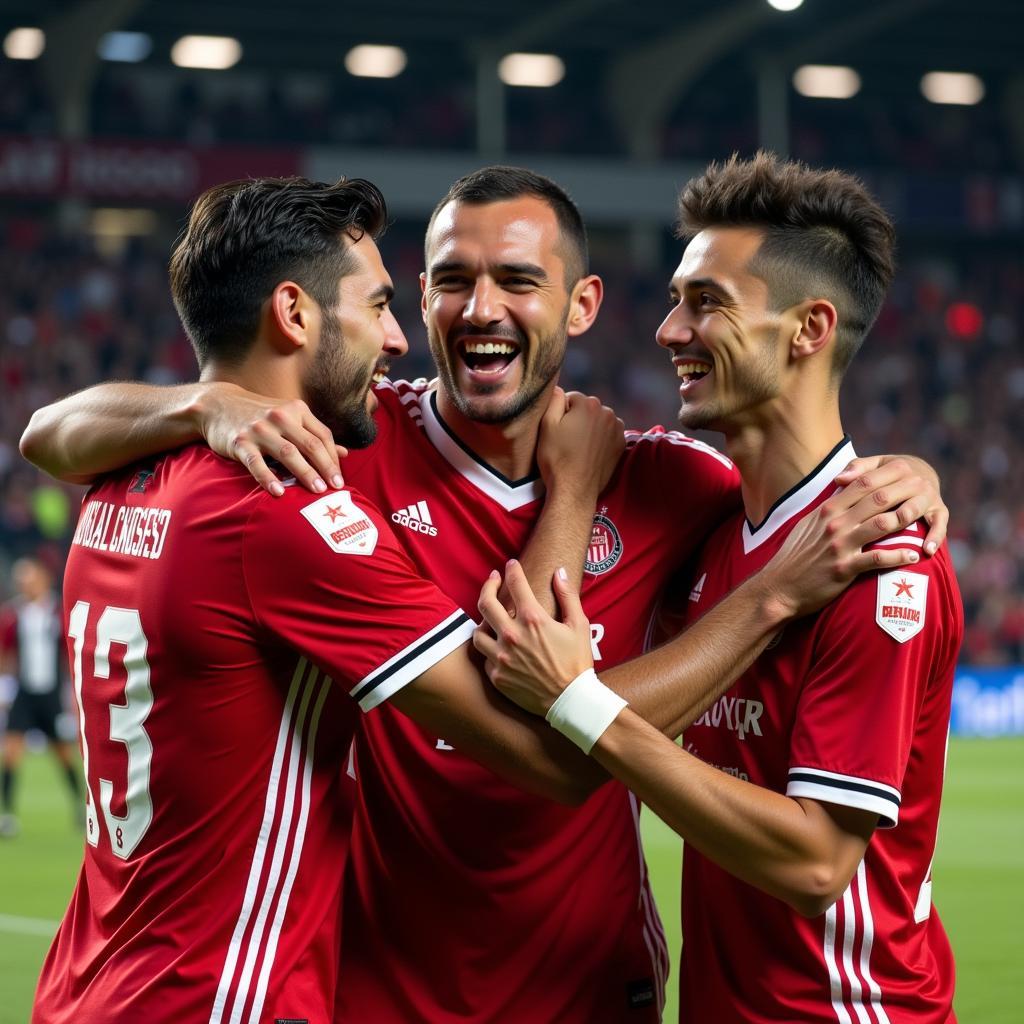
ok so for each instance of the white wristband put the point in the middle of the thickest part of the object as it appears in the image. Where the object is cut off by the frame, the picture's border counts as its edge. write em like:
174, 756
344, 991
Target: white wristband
584, 709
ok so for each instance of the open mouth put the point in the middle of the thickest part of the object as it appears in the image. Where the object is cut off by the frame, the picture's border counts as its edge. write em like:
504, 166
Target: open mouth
691, 372
488, 358
381, 372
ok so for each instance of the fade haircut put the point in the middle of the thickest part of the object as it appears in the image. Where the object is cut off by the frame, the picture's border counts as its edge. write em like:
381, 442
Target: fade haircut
500, 183
243, 238
825, 237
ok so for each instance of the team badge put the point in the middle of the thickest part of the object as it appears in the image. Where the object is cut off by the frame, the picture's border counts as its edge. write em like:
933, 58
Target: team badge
605, 548
901, 605
347, 529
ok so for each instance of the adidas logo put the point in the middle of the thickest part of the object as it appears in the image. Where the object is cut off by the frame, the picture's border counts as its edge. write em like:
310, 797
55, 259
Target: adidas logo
416, 517
697, 588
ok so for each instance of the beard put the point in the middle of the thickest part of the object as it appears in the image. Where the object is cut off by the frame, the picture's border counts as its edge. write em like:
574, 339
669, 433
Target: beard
550, 354
753, 383
336, 388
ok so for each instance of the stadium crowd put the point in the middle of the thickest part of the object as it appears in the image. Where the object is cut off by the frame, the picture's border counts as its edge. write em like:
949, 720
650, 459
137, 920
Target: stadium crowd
942, 376
912, 135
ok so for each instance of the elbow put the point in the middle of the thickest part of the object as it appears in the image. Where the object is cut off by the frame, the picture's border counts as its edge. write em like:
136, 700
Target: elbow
29, 445
819, 888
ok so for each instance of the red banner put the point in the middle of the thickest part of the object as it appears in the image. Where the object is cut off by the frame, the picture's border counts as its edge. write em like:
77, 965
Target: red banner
130, 171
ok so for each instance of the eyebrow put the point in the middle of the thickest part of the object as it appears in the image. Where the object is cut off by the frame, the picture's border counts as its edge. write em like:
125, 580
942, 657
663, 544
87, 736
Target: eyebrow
528, 269
384, 291
694, 283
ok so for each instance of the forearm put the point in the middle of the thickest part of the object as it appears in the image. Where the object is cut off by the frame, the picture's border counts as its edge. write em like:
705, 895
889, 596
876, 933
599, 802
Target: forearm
778, 844
111, 425
673, 685
559, 539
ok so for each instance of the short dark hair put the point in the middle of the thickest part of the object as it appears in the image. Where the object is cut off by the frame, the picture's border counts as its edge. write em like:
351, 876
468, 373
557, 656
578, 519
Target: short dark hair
244, 237
499, 183
824, 236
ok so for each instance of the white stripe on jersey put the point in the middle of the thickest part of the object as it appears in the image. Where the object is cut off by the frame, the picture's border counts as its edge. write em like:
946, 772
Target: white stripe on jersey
902, 541
856, 917
653, 930
300, 682
293, 865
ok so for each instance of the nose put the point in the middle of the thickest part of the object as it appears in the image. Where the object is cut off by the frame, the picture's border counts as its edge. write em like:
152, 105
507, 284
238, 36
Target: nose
675, 329
484, 306
395, 343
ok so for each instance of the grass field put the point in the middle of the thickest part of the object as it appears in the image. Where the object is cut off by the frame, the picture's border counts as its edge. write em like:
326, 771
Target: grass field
979, 879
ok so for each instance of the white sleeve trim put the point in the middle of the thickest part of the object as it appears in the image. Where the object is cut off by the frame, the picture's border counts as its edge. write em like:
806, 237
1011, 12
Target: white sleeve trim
848, 791
401, 669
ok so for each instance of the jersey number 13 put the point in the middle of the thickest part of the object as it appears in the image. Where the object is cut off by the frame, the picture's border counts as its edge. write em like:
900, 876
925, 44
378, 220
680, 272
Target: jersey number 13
117, 626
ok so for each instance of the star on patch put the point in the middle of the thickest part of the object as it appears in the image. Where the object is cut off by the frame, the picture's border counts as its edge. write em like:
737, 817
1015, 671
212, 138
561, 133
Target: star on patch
903, 587
333, 511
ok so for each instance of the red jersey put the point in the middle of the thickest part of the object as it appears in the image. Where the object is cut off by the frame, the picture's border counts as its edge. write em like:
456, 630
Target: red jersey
467, 899
851, 707
216, 637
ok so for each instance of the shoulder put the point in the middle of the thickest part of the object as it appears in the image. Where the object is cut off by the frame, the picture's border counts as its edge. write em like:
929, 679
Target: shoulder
400, 399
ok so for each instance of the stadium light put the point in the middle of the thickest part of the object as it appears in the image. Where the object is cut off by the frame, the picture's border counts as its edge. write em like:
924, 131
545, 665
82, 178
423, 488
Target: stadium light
953, 87
214, 52
24, 43
826, 81
537, 70
125, 47
370, 61
785, 5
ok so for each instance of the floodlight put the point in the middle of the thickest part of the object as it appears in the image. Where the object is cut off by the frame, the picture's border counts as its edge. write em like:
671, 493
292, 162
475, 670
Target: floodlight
953, 87
826, 81
539, 70
125, 47
24, 43
213, 52
785, 5
370, 61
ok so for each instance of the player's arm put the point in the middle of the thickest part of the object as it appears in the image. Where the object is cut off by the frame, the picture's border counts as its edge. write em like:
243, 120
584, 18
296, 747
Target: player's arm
533, 657
799, 850
579, 446
111, 425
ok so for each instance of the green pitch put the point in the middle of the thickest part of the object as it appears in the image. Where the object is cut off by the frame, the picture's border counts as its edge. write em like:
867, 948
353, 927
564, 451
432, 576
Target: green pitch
979, 879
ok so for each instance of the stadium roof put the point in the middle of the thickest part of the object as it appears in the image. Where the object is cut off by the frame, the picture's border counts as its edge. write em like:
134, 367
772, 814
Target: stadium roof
919, 35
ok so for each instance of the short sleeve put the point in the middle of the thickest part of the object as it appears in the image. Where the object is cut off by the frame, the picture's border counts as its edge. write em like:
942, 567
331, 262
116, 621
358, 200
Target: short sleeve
328, 577
877, 651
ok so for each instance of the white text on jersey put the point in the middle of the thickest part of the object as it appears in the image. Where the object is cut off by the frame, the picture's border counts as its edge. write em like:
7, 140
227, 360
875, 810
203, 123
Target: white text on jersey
127, 530
740, 714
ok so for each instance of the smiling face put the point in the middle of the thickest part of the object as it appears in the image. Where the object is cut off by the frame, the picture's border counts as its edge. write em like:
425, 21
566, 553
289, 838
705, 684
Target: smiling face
358, 338
496, 305
724, 336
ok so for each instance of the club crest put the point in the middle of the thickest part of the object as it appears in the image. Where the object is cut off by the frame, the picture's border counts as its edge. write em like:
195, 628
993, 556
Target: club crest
901, 604
605, 547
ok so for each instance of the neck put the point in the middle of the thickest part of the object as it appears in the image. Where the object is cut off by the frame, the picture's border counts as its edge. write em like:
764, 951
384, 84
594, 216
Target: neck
271, 378
777, 452
508, 448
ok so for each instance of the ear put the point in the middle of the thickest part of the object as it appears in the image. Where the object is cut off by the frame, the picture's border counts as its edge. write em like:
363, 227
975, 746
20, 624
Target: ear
584, 304
816, 327
292, 313
423, 296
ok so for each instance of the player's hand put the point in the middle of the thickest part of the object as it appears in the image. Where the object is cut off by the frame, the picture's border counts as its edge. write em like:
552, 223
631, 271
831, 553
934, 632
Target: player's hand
824, 553
531, 657
878, 472
246, 427
580, 443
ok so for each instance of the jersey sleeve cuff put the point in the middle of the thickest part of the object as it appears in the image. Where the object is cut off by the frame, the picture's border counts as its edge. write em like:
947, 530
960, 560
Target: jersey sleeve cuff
848, 791
401, 669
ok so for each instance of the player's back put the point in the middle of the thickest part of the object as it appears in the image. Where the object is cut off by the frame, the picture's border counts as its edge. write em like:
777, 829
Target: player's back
210, 754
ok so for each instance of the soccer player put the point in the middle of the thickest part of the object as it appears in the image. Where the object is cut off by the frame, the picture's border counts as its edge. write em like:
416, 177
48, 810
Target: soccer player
481, 900
31, 644
808, 795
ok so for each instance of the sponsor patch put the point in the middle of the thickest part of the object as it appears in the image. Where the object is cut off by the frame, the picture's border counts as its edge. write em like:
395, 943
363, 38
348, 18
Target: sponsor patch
347, 529
901, 604
605, 547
